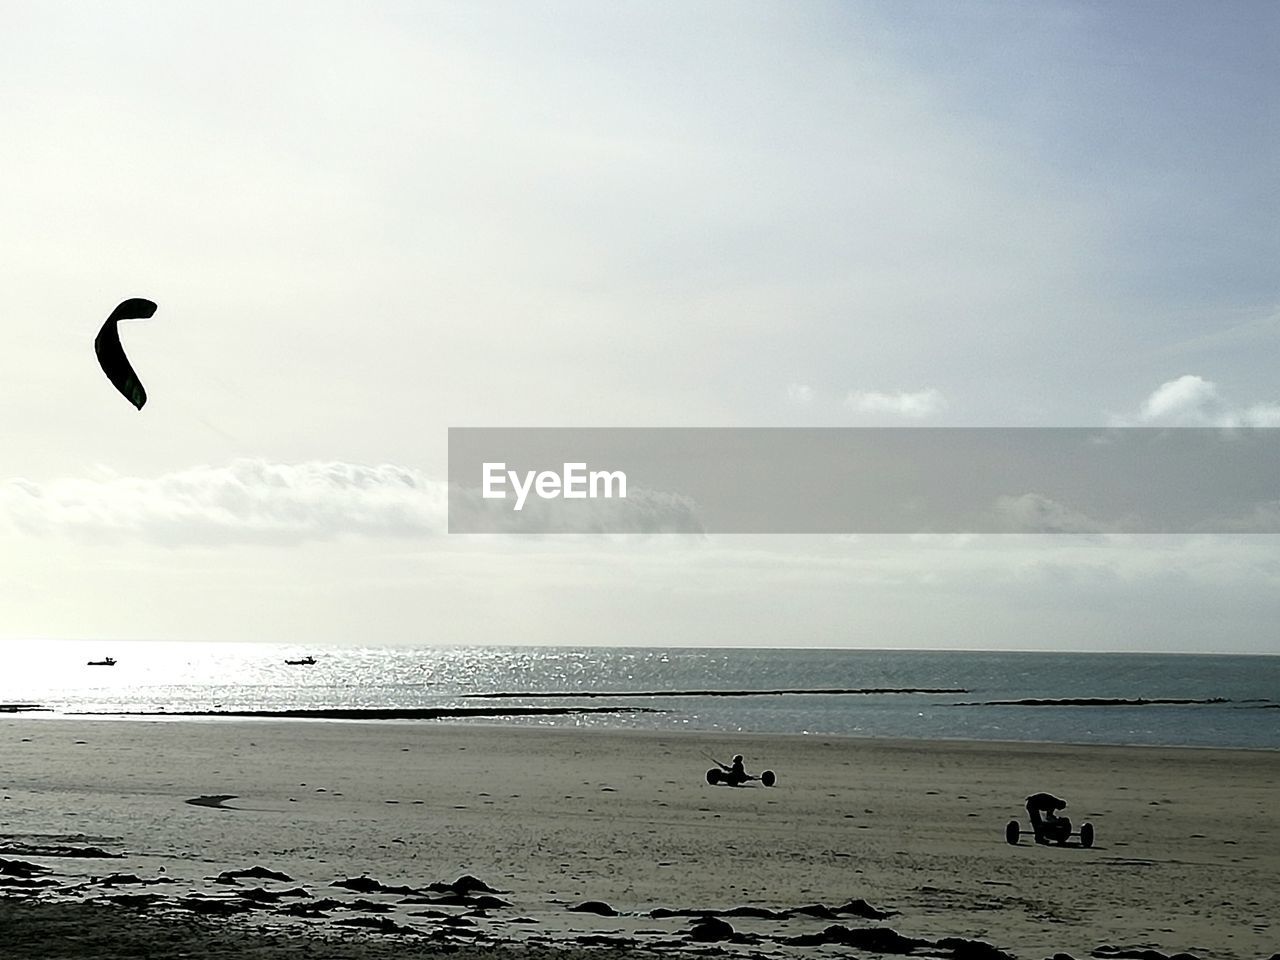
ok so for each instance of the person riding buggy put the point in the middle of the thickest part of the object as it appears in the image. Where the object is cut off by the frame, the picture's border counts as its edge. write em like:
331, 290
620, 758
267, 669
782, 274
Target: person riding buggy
737, 771
735, 774
1046, 825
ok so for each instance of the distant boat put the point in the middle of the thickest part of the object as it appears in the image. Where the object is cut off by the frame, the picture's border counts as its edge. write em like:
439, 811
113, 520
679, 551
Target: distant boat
304, 662
104, 662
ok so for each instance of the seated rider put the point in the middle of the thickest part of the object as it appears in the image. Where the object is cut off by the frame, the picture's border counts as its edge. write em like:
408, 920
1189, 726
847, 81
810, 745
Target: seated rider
1043, 809
737, 772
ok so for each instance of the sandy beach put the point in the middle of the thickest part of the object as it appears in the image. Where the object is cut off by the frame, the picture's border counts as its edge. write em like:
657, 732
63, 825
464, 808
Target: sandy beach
857, 836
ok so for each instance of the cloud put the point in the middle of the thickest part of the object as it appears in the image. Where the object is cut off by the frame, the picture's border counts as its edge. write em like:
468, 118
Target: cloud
640, 512
800, 394
1035, 513
256, 501
922, 403
1192, 401
247, 501
1262, 517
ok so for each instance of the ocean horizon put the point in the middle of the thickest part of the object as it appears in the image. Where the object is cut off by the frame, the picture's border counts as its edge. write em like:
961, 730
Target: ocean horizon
1203, 700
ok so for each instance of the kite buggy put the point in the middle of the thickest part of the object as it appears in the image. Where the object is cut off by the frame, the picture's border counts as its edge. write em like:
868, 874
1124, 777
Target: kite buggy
1046, 826
735, 774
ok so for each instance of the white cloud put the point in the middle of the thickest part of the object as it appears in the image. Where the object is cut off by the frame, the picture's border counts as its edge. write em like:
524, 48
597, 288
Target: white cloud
247, 501
800, 394
255, 501
1187, 396
1193, 401
1035, 513
640, 512
922, 403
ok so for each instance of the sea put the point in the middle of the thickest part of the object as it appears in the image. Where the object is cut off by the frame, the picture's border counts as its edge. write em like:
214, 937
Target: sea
1236, 696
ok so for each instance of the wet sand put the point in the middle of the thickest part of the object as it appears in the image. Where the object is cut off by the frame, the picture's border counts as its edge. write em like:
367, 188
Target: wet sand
858, 836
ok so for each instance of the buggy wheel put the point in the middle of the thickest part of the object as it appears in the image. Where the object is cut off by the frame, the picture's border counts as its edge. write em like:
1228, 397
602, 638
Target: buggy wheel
1012, 832
714, 776
1086, 834
768, 779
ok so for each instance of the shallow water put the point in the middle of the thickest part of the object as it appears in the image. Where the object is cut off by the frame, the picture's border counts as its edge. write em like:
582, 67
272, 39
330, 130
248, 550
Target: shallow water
170, 676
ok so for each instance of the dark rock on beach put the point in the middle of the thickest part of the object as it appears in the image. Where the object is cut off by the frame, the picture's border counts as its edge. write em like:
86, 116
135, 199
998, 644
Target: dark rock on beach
136, 900
253, 873
380, 924
370, 885
962, 949
881, 939
123, 879
1109, 952
457, 922
598, 907
860, 908
711, 930
214, 905
217, 801
27, 883
601, 940
259, 895
855, 908
315, 908
58, 850
429, 914
484, 902
21, 868
755, 913
463, 885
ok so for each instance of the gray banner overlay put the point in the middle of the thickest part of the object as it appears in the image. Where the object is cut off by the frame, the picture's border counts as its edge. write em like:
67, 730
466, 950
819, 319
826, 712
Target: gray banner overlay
863, 480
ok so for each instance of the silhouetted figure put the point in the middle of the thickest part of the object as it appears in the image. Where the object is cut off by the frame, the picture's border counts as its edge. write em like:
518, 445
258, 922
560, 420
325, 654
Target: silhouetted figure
1047, 826
737, 771
735, 774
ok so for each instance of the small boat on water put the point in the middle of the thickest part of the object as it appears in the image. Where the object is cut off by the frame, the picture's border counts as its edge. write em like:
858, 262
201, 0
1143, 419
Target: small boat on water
306, 661
104, 662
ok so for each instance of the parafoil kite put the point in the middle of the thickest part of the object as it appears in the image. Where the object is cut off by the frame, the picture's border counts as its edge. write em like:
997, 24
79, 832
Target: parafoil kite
111, 354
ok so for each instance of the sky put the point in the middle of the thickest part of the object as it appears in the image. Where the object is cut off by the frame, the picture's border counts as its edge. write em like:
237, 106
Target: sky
365, 224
